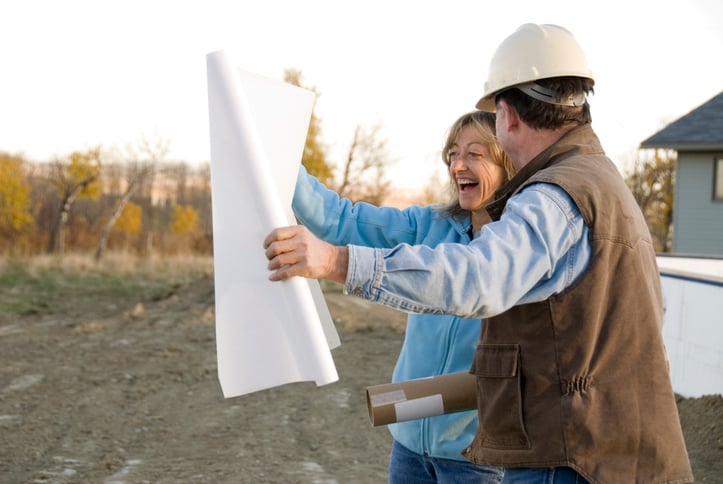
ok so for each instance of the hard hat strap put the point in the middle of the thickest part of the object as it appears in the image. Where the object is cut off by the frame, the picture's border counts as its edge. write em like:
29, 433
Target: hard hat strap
546, 95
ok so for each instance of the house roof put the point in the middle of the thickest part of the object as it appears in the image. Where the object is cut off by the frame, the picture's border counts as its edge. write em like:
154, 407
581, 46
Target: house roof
699, 130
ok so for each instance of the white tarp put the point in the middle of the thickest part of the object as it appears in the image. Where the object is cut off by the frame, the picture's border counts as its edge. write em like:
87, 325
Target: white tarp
267, 333
693, 324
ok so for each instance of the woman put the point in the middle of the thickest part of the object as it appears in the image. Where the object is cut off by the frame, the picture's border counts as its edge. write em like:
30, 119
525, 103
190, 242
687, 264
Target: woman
429, 449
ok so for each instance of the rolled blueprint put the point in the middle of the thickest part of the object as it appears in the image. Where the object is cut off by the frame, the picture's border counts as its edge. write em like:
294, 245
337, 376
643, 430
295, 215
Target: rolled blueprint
421, 398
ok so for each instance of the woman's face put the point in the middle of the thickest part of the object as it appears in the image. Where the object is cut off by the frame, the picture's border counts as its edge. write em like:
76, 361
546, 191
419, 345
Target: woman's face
473, 171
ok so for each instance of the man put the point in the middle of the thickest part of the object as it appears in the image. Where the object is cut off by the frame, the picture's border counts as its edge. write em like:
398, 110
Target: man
572, 376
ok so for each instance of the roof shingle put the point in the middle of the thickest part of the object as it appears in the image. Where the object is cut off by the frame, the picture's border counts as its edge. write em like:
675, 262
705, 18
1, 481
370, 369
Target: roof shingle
699, 130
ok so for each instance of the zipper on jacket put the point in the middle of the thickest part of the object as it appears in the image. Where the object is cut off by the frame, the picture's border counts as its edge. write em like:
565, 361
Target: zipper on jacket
453, 329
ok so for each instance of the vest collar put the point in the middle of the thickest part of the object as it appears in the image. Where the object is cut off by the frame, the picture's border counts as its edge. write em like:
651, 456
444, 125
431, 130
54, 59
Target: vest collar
579, 140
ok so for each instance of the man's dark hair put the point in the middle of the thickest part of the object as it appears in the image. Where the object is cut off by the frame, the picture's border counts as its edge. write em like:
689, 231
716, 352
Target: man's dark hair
542, 115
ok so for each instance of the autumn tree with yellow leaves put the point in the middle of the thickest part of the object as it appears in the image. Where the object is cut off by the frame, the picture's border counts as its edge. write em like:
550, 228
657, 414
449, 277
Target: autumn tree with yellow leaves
76, 177
15, 214
314, 157
184, 220
129, 222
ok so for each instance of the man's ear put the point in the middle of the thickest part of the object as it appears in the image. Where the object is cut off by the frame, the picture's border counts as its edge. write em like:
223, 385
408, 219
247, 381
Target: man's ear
509, 118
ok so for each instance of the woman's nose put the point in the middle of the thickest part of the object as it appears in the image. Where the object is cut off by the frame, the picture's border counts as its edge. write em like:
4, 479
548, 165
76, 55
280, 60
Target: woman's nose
455, 164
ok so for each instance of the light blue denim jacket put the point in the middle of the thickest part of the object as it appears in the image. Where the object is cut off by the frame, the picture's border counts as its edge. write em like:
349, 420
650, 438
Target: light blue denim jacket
538, 248
433, 344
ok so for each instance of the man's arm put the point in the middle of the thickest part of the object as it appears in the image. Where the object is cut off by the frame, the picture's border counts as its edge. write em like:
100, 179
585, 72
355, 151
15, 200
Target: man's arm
538, 248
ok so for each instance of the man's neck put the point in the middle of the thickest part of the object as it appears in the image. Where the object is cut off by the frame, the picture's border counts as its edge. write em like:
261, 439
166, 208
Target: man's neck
535, 141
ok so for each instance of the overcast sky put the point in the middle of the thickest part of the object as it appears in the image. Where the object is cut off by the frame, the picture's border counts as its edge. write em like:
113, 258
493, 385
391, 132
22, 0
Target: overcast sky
76, 74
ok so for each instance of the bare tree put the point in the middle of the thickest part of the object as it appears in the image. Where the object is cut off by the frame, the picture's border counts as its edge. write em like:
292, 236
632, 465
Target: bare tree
145, 156
435, 189
363, 177
652, 181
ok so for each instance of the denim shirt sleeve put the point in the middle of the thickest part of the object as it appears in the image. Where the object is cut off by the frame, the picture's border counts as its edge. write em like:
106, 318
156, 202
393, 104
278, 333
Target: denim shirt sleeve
538, 248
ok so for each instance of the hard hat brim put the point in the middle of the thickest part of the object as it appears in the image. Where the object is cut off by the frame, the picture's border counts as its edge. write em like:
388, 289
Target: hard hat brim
487, 103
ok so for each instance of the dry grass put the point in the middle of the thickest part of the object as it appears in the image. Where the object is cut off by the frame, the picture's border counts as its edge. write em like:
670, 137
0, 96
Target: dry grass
43, 284
178, 268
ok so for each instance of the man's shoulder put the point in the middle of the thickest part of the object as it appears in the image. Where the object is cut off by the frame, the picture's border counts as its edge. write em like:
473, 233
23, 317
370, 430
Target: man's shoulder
539, 192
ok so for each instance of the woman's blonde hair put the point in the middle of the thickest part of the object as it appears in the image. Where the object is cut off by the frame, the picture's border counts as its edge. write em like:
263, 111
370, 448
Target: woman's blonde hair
484, 123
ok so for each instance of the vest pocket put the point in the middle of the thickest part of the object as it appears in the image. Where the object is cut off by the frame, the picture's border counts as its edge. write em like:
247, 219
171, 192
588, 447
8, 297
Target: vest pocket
499, 397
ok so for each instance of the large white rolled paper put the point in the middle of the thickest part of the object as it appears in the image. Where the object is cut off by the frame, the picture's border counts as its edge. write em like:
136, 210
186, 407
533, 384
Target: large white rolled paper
267, 333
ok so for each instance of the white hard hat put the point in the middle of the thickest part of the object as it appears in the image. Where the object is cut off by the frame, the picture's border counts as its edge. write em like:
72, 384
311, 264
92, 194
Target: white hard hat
533, 52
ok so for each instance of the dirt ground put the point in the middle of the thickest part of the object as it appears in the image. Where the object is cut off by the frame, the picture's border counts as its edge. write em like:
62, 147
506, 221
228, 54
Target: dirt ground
127, 392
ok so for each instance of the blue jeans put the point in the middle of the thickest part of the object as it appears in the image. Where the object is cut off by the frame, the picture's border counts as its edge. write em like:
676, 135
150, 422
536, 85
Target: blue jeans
407, 467
553, 475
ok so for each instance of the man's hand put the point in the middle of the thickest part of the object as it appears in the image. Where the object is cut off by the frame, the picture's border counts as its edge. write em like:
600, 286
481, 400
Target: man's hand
294, 251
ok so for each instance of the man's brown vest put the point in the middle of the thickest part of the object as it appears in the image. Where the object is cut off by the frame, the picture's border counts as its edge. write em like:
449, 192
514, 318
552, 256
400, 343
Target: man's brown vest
581, 379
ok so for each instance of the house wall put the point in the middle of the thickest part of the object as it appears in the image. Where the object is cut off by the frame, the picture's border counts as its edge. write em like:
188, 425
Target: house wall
697, 218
